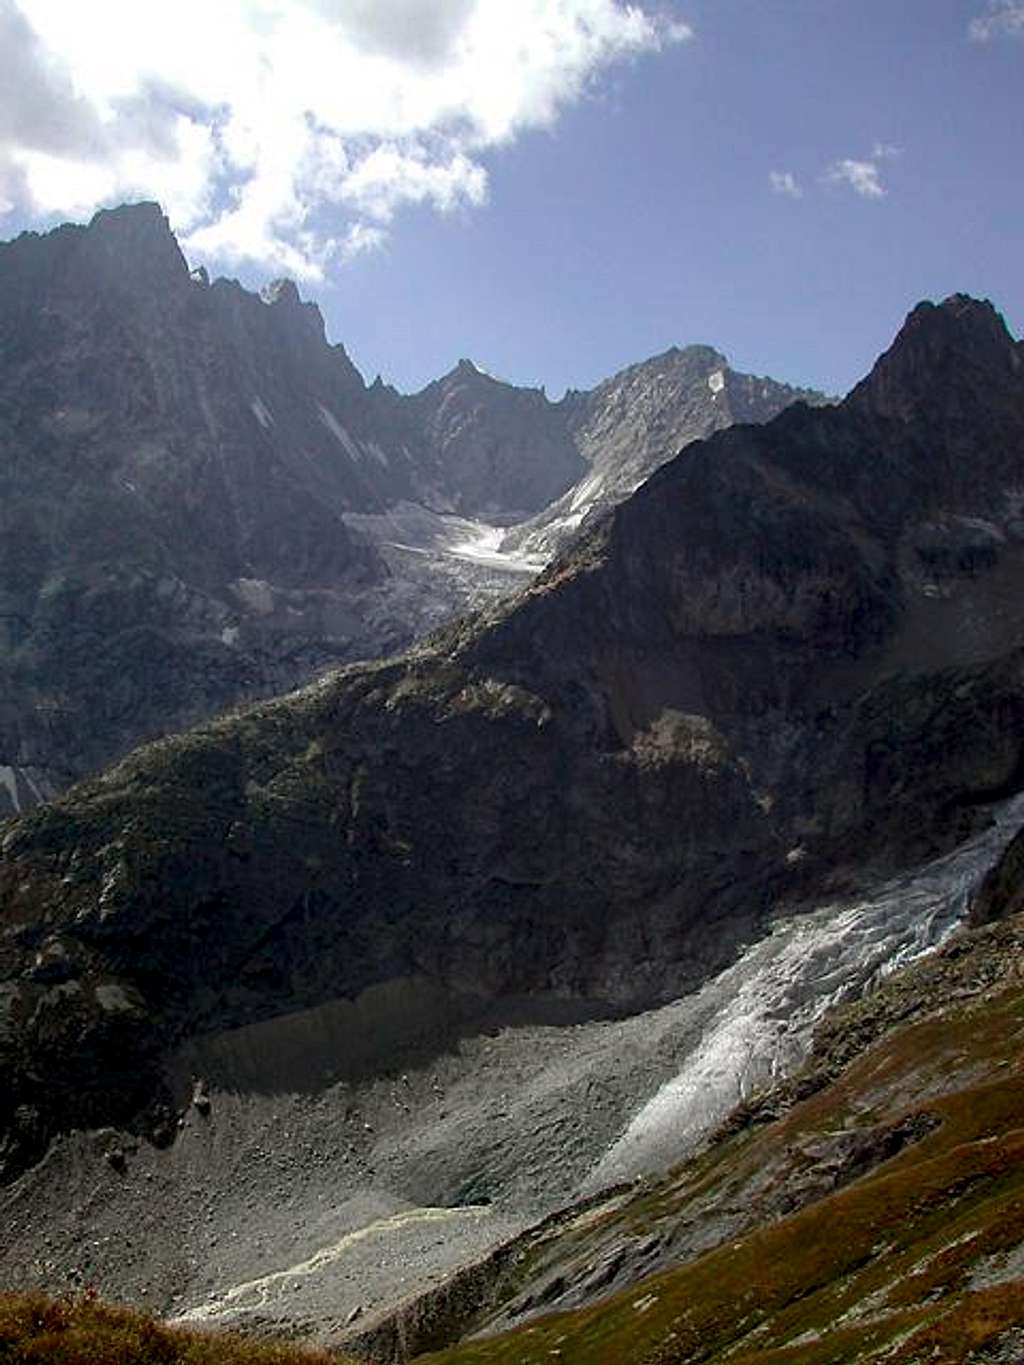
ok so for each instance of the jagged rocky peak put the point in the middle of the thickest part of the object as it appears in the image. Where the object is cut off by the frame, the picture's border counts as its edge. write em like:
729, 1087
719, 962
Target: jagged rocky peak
962, 338
165, 441
132, 247
499, 451
466, 375
133, 226
287, 337
283, 298
282, 291
649, 411
630, 424
646, 380
125, 261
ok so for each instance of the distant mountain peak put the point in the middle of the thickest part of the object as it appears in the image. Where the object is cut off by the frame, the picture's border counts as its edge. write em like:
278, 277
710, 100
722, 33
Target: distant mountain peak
283, 296
958, 320
963, 339
132, 246
146, 215
283, 291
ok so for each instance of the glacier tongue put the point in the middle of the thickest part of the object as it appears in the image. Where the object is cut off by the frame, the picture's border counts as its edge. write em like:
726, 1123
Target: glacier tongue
756, 1019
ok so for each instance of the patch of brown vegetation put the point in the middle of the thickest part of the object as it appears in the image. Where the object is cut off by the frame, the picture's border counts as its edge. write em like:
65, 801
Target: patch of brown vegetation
85, 1331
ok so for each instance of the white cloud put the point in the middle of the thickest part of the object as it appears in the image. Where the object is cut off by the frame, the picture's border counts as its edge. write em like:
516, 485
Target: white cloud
1005, 18
391, 176
785, 182
290, 132
862, 176
361, 239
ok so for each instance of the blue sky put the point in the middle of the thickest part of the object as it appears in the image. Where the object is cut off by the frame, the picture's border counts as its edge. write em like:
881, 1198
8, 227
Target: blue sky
595, 182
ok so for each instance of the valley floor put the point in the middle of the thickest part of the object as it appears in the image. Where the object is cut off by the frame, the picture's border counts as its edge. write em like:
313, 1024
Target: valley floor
322, 1205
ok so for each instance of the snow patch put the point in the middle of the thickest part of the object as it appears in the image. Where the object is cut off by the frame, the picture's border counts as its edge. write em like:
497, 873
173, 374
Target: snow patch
586, 491
8, 780
255, 594
339, 433
483, 546
716, 381
22, 791
262, 413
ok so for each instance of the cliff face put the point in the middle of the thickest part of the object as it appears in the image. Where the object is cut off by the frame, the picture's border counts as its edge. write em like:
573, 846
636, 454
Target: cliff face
791, 660
833, 591
178, 459
493, 451
182, 467
169, 486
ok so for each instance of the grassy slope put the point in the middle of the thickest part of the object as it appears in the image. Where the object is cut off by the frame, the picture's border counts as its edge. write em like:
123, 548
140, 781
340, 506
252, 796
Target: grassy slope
907, 1250
83, 1331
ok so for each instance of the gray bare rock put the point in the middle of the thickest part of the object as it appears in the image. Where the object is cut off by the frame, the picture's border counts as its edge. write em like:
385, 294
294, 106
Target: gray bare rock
202, 503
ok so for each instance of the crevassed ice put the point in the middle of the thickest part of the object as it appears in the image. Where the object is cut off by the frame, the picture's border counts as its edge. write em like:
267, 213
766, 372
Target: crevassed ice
755, 1019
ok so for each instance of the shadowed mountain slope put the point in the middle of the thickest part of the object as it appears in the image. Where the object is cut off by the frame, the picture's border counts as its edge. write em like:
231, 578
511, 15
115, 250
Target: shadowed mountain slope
201, 501
791, 661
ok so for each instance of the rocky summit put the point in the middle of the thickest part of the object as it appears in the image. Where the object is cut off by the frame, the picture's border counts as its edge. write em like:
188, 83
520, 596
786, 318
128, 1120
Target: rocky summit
340, 993
202, 502
628, 426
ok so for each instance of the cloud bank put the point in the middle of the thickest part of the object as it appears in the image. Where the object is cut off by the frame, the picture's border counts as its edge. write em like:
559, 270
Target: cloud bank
289, 132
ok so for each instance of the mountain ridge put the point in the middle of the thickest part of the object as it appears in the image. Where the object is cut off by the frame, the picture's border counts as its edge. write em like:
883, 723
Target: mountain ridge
486, 926
200, 495
487, 768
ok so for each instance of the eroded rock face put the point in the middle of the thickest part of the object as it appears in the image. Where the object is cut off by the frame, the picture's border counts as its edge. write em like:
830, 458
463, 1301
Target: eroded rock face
747, 683
170, 512
497, 452
183, 463
630, 425
178, 459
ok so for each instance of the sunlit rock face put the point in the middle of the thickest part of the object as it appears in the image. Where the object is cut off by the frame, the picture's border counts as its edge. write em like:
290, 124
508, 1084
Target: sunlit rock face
631, 424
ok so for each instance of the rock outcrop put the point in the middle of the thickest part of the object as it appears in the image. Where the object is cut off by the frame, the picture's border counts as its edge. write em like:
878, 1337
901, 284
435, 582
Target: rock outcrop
790, 661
